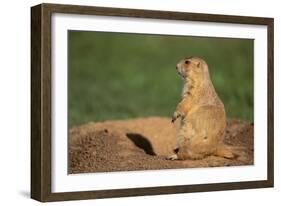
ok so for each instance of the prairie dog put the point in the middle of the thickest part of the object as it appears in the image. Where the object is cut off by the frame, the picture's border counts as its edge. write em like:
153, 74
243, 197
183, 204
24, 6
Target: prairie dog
202, 114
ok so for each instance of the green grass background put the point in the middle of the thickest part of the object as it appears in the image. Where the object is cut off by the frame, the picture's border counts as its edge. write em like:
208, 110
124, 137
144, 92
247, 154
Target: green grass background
120, 76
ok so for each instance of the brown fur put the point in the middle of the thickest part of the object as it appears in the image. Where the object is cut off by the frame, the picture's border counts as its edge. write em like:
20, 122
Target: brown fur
202, 114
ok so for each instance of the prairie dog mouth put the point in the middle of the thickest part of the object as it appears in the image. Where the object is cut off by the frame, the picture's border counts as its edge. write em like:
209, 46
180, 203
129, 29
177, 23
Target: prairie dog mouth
181, 73
179, 70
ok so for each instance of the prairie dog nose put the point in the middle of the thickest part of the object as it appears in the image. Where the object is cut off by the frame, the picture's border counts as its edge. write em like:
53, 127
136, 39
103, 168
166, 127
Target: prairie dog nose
177, 66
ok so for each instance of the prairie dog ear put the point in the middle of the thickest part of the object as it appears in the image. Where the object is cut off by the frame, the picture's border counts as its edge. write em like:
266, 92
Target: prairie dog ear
198, 64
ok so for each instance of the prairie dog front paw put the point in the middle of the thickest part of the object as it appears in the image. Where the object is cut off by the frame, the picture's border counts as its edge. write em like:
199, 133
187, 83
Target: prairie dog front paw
175, 116
172, 157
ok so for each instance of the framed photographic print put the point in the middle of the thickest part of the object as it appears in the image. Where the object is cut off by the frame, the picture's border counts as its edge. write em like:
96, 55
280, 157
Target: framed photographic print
130, 102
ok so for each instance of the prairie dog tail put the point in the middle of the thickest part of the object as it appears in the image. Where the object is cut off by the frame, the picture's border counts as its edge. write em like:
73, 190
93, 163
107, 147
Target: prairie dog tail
225, 151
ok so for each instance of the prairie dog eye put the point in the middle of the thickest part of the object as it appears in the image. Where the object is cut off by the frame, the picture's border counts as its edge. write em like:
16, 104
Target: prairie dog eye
187, 62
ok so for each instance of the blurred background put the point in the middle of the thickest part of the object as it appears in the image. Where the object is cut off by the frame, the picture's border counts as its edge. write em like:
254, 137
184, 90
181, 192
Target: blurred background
121, 76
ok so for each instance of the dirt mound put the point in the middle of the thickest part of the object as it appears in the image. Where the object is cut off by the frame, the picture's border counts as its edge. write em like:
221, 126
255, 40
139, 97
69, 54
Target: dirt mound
143, 144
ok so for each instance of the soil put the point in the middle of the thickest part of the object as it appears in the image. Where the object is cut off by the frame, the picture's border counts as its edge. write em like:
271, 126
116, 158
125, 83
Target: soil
144, 144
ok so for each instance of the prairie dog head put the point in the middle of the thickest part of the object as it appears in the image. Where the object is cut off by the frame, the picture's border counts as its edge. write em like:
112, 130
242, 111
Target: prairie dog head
192, 67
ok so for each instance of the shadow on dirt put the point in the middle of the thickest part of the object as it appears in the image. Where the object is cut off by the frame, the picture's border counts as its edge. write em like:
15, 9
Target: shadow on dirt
141, 142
